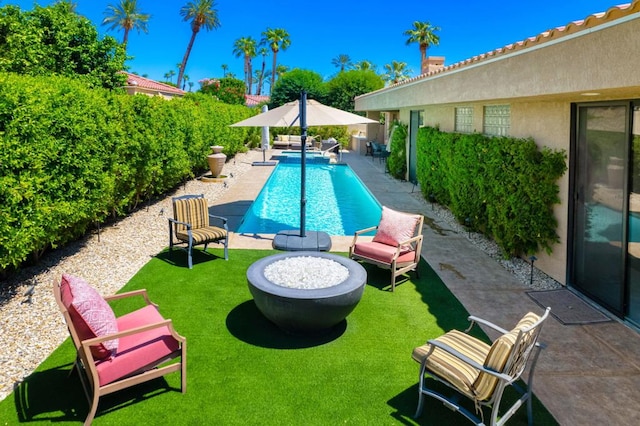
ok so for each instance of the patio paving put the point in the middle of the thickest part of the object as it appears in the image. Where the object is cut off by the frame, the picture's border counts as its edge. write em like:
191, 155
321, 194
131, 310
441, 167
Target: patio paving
588, 375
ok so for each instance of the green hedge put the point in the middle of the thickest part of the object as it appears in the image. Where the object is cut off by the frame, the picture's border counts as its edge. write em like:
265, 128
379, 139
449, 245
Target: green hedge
397, 160
500, 186
71, 156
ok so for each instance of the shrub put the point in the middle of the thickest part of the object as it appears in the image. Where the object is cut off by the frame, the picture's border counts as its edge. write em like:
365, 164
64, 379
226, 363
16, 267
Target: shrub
397, 160
503, 187
71, 156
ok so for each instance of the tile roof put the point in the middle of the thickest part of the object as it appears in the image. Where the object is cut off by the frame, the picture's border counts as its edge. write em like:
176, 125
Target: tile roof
253, 100
593, 20
149, 85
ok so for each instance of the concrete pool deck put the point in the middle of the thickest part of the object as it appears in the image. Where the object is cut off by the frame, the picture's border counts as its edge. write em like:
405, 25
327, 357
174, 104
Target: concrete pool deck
588, 375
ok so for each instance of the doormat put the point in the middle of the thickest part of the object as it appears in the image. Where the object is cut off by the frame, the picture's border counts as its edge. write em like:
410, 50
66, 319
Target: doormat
568, 308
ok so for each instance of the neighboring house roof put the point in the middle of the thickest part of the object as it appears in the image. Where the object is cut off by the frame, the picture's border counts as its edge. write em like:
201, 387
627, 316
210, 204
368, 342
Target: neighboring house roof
596, 19
253, 100
136, 84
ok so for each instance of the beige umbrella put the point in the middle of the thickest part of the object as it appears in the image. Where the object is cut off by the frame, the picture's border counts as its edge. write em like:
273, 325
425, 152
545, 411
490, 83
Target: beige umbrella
317, 115
303, 113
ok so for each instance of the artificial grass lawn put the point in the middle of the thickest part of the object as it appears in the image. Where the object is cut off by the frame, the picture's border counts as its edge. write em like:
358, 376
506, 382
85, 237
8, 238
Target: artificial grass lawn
241, 369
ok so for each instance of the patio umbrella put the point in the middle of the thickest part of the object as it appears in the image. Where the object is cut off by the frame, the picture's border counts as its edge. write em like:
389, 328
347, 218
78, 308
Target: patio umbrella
303, 113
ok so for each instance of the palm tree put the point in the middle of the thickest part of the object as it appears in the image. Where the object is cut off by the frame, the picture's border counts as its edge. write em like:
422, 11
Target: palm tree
185, 78
201, 14
127, 16
342, 61
422, 33
225, 68
396, 72
264, 52
364, 65
246, 46
277, 39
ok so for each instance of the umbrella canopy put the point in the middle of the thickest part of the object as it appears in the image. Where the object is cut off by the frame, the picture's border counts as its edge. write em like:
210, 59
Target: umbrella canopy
317, 115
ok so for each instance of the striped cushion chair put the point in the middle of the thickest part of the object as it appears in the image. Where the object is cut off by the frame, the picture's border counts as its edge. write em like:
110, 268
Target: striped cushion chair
191, 224
479, 371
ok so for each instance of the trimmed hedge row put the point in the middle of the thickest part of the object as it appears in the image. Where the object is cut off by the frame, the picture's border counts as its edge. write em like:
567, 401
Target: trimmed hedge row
71, 156
500, 186
397, 160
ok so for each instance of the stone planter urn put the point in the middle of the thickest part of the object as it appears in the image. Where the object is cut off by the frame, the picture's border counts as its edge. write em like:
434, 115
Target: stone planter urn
216, 160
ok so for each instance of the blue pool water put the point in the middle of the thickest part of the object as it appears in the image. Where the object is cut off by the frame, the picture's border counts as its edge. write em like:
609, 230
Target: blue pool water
338, 203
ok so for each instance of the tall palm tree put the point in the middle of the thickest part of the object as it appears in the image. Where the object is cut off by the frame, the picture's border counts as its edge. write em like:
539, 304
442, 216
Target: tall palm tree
263, 51
342, 61
396, 72
127, 16
364, 65
201, 14
423, 34
277, 39
225, 68
246, 46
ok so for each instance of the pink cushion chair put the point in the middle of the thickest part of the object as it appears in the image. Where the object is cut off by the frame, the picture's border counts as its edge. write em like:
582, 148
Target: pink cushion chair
396, 245
116, 353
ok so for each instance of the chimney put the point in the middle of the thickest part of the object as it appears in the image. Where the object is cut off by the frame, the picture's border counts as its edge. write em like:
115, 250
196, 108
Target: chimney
432, 64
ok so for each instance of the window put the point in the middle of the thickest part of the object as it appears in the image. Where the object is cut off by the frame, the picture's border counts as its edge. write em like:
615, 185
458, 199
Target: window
497, 120
464, 120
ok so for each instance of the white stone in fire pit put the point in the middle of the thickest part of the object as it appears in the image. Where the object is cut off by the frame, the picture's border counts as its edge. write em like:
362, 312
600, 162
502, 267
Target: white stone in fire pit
306, 272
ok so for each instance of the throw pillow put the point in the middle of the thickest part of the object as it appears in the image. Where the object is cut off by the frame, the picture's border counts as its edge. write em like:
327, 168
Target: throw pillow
90, 313
396, 227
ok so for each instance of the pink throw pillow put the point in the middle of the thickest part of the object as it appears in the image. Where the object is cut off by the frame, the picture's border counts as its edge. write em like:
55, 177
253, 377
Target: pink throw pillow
90, 313
396, 227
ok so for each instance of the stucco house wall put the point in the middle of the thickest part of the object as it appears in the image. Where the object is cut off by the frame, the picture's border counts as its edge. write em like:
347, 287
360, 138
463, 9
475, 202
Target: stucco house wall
540, 78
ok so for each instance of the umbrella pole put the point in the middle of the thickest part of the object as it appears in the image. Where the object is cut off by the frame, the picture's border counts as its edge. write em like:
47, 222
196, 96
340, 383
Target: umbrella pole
303, 161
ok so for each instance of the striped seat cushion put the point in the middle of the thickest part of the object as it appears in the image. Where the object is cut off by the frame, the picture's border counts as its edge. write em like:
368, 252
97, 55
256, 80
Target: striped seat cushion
193, 211
498, 355
202, 235
451, 368
383, 252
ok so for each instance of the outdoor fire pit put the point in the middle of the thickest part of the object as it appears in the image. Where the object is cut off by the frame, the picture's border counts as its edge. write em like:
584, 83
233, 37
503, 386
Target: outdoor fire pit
306, 292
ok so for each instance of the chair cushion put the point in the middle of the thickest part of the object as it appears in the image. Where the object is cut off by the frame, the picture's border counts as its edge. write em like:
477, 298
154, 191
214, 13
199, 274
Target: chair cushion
139, 350
450, 368
193, 211
498, 356
396, 227
202, 235
382, 252
90, 314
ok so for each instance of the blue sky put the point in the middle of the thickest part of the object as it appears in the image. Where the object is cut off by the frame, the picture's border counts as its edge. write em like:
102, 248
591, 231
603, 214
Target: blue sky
322, 30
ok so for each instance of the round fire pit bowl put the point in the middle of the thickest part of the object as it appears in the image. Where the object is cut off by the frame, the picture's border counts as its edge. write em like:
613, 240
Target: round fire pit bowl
304, 310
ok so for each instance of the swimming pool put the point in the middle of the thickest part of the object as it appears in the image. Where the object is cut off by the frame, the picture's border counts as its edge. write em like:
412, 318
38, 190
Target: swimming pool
338, 203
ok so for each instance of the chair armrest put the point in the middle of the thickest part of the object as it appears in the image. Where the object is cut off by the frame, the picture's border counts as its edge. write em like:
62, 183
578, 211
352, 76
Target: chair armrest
223, 219
462, 357
363, 231
96, 340
480, 321
177, 222
410, 240
141, 292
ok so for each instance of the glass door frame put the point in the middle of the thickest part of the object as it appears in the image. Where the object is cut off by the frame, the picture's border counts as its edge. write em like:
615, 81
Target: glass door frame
574, 201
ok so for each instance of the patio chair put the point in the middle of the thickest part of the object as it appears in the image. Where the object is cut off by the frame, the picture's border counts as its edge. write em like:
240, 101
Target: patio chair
396, 245
116, 353
480, 372
191, 224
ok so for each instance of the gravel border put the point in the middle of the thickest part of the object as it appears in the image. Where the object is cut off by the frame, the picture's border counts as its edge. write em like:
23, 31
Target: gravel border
31, 326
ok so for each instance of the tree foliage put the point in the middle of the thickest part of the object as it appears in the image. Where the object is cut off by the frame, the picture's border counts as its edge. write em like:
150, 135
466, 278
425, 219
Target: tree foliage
229, 90
289, 86
54, 40
345, 86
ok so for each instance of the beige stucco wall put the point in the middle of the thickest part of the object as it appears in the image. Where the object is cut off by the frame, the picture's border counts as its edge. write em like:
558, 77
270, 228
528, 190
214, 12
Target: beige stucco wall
539, 83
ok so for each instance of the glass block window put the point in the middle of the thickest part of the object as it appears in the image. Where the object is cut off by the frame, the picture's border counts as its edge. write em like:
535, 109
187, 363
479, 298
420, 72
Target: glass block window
464, 120
497, 120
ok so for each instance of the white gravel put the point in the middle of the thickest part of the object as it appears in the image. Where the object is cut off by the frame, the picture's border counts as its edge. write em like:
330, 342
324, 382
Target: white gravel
31, 326
306, 272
